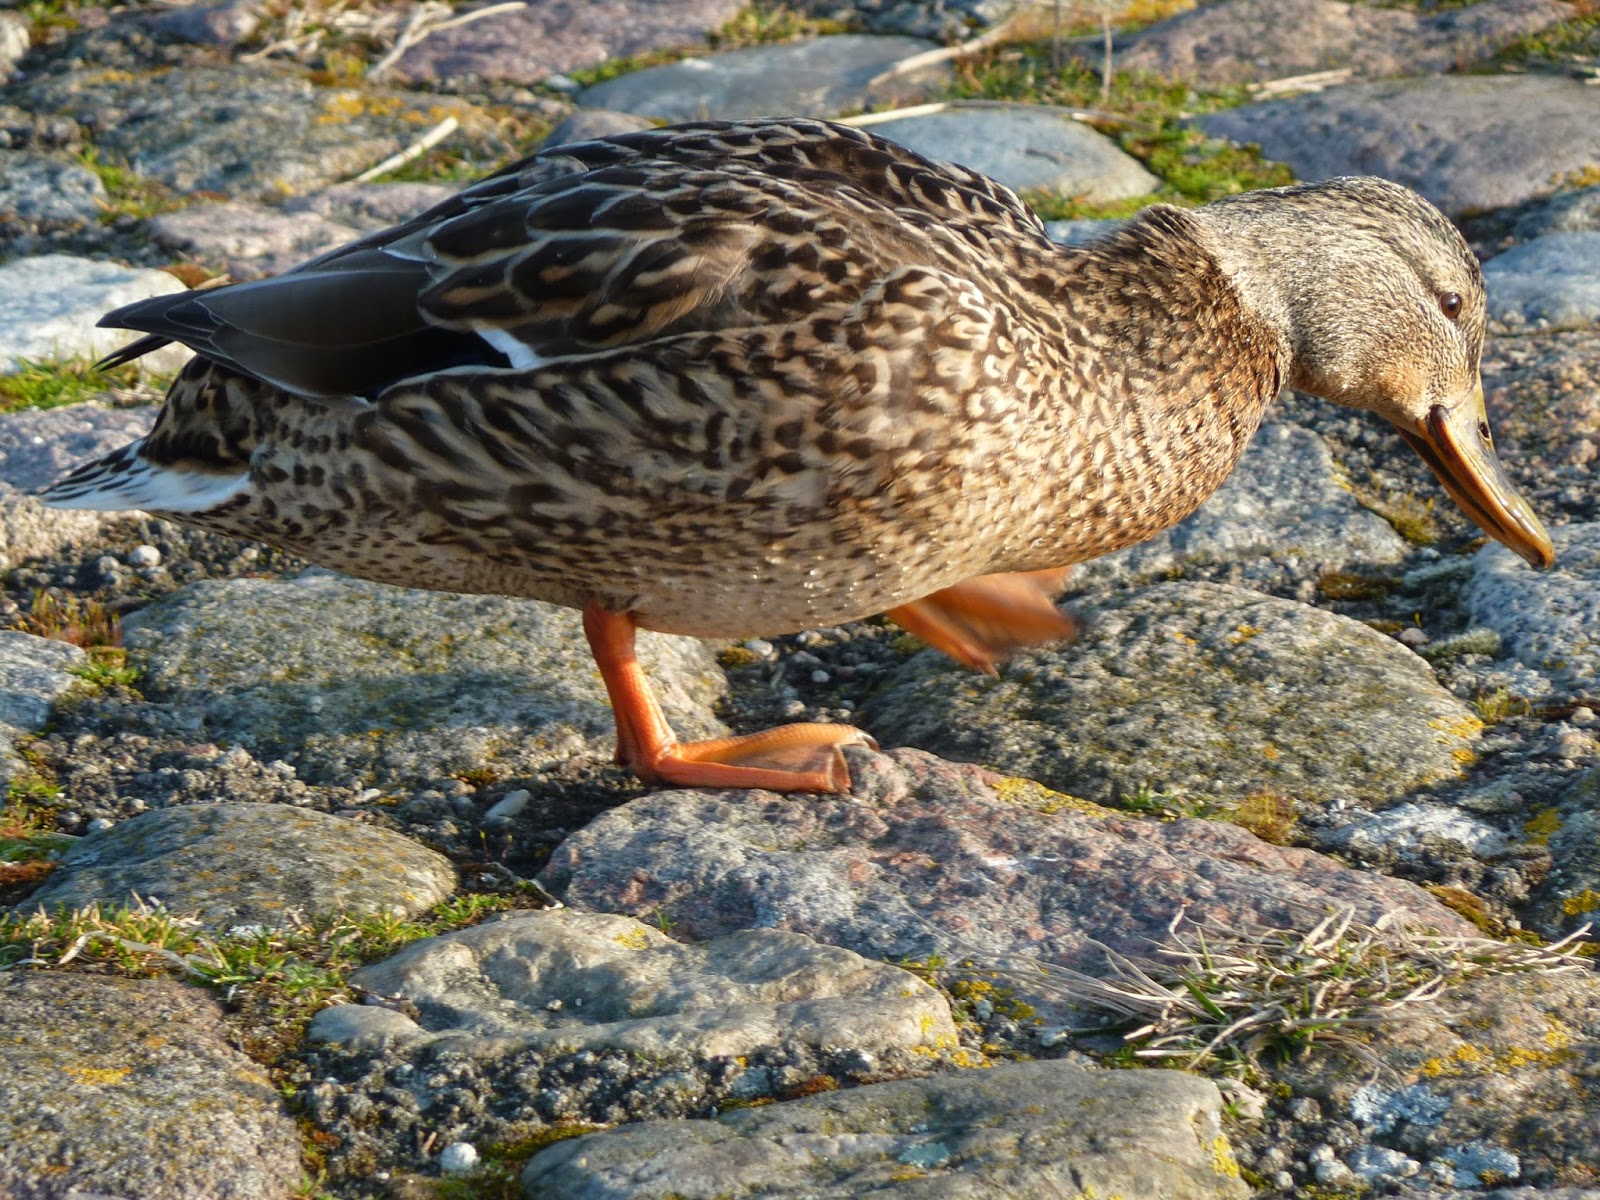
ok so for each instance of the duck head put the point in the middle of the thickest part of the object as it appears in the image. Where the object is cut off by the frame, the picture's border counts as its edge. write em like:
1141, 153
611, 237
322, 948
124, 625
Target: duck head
1380, 305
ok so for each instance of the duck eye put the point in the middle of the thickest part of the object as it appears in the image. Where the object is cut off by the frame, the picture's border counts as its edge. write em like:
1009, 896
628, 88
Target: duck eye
1450, 304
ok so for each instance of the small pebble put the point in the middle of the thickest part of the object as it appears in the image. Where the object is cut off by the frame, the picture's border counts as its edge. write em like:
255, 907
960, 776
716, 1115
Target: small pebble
144, 556
1583, 716
807, 637
99, 825
458, 1158
820, 676
1305, 1109
508, 806
761, 648
1414, 637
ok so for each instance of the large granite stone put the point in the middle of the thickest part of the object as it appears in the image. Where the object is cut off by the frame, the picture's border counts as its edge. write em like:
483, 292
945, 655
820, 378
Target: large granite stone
351, 680
563, 982
37, 188
1464, 141
1551, 282
133, 1088
34, 672
932, 858
247, 241
248, 865
822, 77
1548, 620
1198, 691
257, 135
1026, 146
550, 37
49, 305
1243, 41
1025, 1131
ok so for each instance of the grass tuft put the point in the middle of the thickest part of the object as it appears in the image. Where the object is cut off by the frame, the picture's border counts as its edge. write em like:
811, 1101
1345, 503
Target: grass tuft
1227, 1000
52, 383
293, 972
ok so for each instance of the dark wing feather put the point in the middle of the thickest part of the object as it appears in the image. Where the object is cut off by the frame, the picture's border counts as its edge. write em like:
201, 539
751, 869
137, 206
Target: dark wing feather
594, 246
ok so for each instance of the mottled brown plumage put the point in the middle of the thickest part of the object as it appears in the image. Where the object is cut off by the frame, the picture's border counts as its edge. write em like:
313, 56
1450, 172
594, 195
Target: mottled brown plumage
740, 378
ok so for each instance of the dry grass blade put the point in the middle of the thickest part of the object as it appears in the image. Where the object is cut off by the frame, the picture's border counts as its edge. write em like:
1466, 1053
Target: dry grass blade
1213, 996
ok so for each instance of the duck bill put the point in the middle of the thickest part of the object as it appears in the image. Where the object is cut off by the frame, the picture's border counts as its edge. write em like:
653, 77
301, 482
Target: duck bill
1457, 446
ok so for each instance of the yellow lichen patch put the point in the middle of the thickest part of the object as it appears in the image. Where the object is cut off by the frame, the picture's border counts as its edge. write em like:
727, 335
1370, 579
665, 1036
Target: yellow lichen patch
1222, 1160
1463, 726
633, 939
1585, 901
734, 657
1463, 756
349, 105
100, 1076
1244, 633
1541, 825
1029, 794
1472, 1059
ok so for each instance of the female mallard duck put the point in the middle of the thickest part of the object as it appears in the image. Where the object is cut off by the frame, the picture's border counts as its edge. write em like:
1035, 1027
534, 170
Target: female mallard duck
736, 378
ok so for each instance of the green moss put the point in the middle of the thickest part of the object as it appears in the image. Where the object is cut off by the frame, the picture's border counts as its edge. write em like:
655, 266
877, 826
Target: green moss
51, 383
1578, 37
1144, 111
128, 194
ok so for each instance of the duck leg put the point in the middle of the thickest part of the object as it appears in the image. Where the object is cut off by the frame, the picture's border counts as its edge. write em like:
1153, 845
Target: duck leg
982, 620
790, 758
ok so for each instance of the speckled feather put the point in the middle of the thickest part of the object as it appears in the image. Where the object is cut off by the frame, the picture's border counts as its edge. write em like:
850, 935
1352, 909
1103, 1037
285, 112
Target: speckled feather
729, 378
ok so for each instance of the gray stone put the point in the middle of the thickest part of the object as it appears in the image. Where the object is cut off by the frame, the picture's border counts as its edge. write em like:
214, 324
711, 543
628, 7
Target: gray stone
1283, 502
1244, 41
1025, 1131
368, 207
1483, 1072
248, 241
1198, 691
1570, 895
30, 530
563, 982
132, 1088
34, 671
935, 858
349, 679
1078, 232
14, 43
821, 77
37, 447
248, 865
223, 25
549, 37
586, 124
1566, 212
256, 135
49, 305
1409, 834
1551, 282
943, 20
1026, 146
1464, 141
38, 188
1548, 620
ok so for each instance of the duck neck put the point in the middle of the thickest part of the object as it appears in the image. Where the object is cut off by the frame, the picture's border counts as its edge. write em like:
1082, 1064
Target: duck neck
1266, 254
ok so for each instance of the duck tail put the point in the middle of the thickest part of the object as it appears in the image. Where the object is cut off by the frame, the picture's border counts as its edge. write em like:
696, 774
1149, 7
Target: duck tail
126, 479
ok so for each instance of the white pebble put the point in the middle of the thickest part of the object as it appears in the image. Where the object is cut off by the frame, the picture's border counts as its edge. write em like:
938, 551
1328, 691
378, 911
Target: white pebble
100, 825
508, 806
761, 648
1583, 715
458, 1158
1413, 637
144, 556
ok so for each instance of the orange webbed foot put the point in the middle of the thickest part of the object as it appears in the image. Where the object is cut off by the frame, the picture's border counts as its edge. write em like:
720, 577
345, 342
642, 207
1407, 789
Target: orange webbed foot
983, 620
790, 758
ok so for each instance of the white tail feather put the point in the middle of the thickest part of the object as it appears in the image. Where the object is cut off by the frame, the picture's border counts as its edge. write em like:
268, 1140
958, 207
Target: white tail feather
123, 480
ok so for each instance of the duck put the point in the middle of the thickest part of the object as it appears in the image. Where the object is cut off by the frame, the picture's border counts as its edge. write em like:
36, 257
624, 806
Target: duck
739, 378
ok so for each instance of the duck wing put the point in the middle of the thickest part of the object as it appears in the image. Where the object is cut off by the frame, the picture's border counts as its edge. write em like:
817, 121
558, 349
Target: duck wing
593, 247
